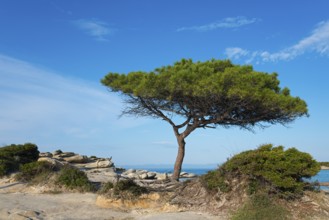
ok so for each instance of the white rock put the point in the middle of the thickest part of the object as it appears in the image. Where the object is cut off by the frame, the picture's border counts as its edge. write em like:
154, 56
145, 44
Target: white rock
54, 162
129, 171
132, 176
104, 163
76, 159
162, 176
143, 176
140, 172
151, 175
100, 164
187, 175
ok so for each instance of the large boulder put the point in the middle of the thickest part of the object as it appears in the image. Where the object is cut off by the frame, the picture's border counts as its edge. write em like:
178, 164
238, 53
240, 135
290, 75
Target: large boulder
76, 159
151, 175
101, 163
161, 176
102, 175
129, 171
56, 163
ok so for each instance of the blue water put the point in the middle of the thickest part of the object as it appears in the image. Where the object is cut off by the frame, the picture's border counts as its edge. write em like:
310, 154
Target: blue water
322, 176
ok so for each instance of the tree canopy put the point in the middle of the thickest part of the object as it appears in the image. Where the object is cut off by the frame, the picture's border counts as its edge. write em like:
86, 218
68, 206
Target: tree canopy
207, 94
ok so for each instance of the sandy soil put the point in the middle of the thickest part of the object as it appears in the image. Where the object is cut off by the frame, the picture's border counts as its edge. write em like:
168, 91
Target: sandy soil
20, 202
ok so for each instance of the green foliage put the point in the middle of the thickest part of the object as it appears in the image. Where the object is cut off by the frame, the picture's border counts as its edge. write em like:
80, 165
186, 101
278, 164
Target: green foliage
128, 186
106, 188
7, 166
215, 180
261, 207
211, 88
74, 178
12, 156
324, 164
281, 171
35, 170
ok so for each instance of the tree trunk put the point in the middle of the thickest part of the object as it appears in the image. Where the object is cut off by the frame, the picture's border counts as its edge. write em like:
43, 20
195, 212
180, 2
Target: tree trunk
179, 158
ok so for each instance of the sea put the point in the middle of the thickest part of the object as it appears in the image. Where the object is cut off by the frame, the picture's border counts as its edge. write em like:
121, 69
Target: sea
322, 176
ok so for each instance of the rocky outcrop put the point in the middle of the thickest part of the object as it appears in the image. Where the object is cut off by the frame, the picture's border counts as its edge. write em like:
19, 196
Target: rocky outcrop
56, 163
80, 161
102, 169
147, 175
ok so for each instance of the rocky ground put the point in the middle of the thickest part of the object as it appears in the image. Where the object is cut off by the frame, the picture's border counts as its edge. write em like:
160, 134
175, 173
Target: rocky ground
167, 200
22, 201
18, 201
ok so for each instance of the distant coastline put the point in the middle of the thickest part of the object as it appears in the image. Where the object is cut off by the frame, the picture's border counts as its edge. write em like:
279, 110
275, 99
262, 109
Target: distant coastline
169, 166
324, 168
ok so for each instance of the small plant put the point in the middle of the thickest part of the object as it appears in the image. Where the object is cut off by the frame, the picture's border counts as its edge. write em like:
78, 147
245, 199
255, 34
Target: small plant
128, 186
261, 207
215, 180
106, 188
73, 178
35, 170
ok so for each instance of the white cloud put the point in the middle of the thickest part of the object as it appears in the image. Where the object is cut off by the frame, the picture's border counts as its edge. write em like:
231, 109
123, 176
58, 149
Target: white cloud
317, 41
95, 28
236, 52
43, 107
231, 22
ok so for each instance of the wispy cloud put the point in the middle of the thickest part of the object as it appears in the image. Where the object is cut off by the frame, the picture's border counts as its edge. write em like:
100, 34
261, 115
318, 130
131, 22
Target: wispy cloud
43, 107
317, 41
231, 22
95, 28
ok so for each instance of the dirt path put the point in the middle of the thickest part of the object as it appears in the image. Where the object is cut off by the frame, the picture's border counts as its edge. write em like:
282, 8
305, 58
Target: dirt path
20, 202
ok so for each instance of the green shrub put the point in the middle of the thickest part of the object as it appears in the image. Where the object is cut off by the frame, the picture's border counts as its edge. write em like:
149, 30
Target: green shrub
261, 207
74, 178
324, 164
267, 169
105, 188
128, 186
282, 171
7, 166
12, 156
215, 180
35, 170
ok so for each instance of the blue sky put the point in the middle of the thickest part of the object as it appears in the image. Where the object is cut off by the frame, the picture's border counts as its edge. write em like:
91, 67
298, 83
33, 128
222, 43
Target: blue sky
53, 54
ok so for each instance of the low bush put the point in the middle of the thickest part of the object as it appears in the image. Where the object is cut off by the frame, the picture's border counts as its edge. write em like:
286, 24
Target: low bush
215, 180
38, 170
12, 156
128, 186
74, 178
324, 164
261, 207
268, 168
106, 188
